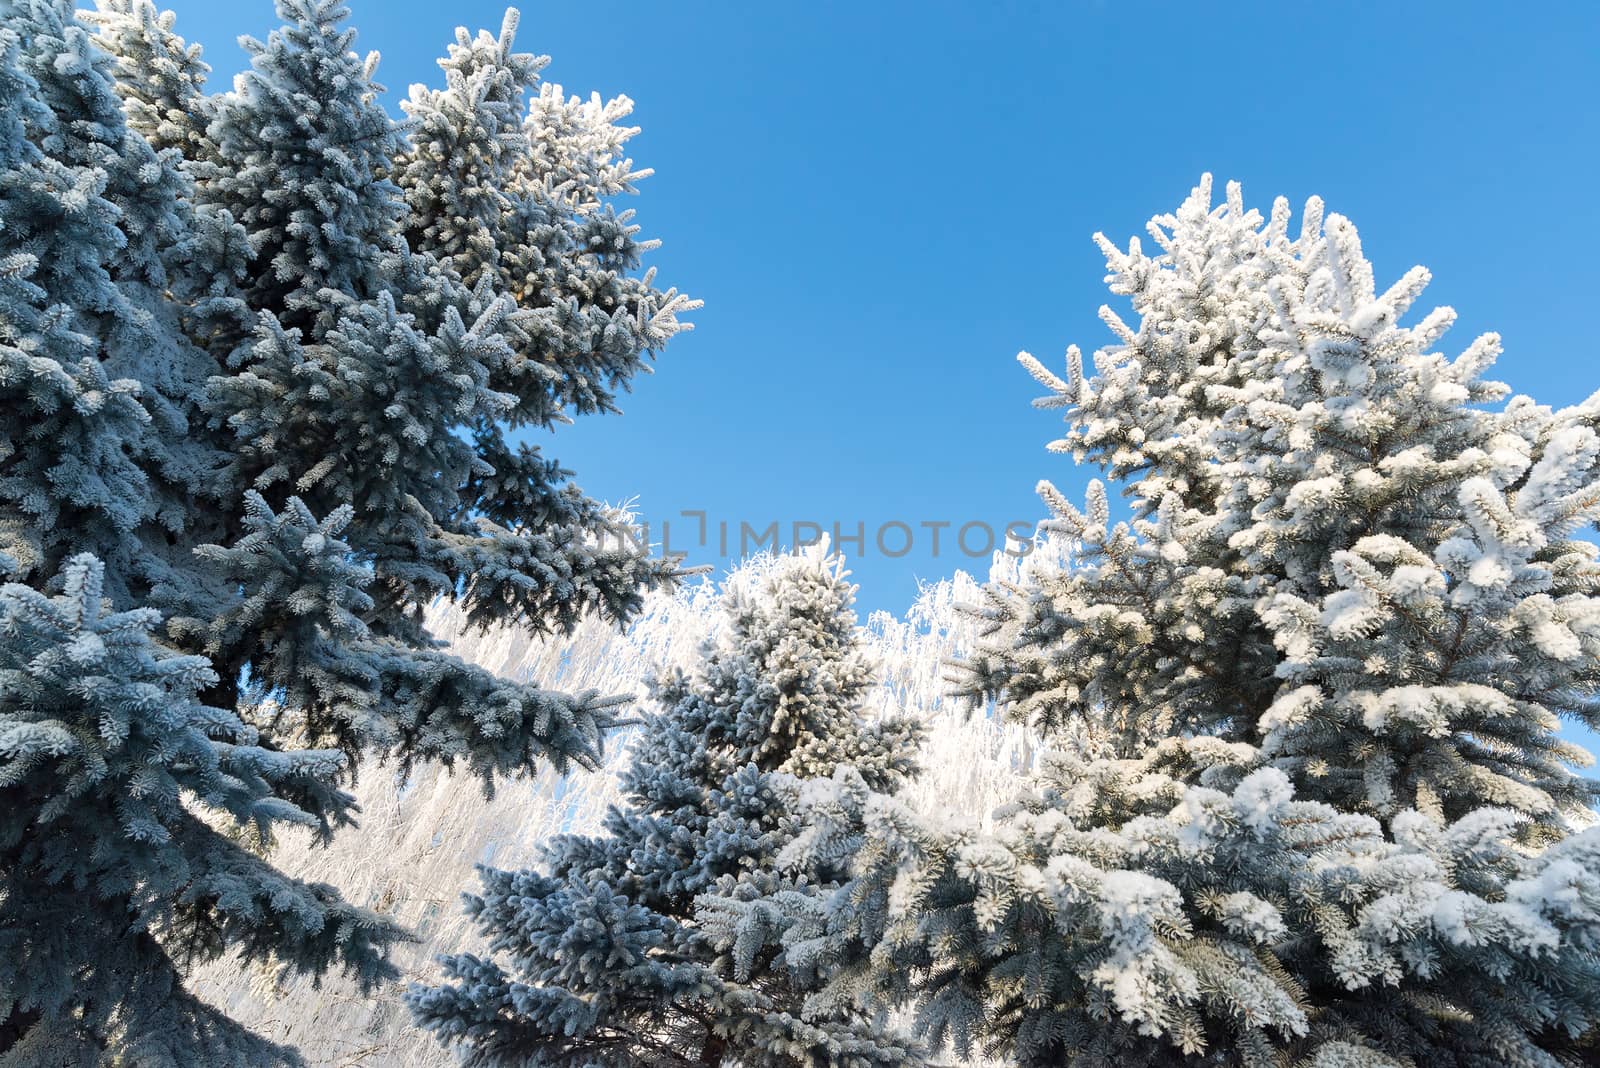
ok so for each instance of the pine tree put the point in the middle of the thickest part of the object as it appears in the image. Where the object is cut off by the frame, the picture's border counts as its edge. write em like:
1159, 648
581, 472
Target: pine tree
250, 434
1311, 805
602, 958
516, 201
375, 379
298, 150
160, 77
119, 784
466, 149
99, 383
523, 205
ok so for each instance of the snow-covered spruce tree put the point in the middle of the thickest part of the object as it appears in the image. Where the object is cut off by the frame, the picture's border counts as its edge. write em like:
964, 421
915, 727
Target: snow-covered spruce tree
98, 384
601, 958
467, 147
516, 200
1311, 806
376, 379
423, 835
160, 77
271, 433
125, 799
119, 788
366, 375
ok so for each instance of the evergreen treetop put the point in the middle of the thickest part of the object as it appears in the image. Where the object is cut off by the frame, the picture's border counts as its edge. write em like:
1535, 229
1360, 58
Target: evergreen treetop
1313, 807
602, 958
250, 435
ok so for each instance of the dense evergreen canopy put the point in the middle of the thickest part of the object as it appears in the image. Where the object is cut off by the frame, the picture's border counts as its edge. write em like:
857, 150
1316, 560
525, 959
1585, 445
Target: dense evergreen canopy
604, 959
1310, 805
259, 413
269, 358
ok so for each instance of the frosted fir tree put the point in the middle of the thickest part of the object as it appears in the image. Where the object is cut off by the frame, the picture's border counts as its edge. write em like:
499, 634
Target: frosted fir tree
516, 196
298, 150
1311, 806
374, 380
160, 77
466, 148
601, 958
129, 802
253, 434
1295, 459
120, 785
98, 384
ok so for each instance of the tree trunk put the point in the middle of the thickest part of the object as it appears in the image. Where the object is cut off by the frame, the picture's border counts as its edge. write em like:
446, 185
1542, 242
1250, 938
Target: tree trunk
713, 1051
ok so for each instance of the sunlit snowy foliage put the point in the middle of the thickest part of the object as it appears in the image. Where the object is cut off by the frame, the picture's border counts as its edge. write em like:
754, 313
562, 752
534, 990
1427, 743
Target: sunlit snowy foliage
1308, 804
301, 639
422, 835
259, 399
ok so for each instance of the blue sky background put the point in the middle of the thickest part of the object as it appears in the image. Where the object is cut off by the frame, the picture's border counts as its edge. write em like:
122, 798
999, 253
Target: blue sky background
880, 203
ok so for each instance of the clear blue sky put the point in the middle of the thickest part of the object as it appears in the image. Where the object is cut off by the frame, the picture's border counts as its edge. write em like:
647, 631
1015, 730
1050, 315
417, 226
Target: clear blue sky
880, 203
